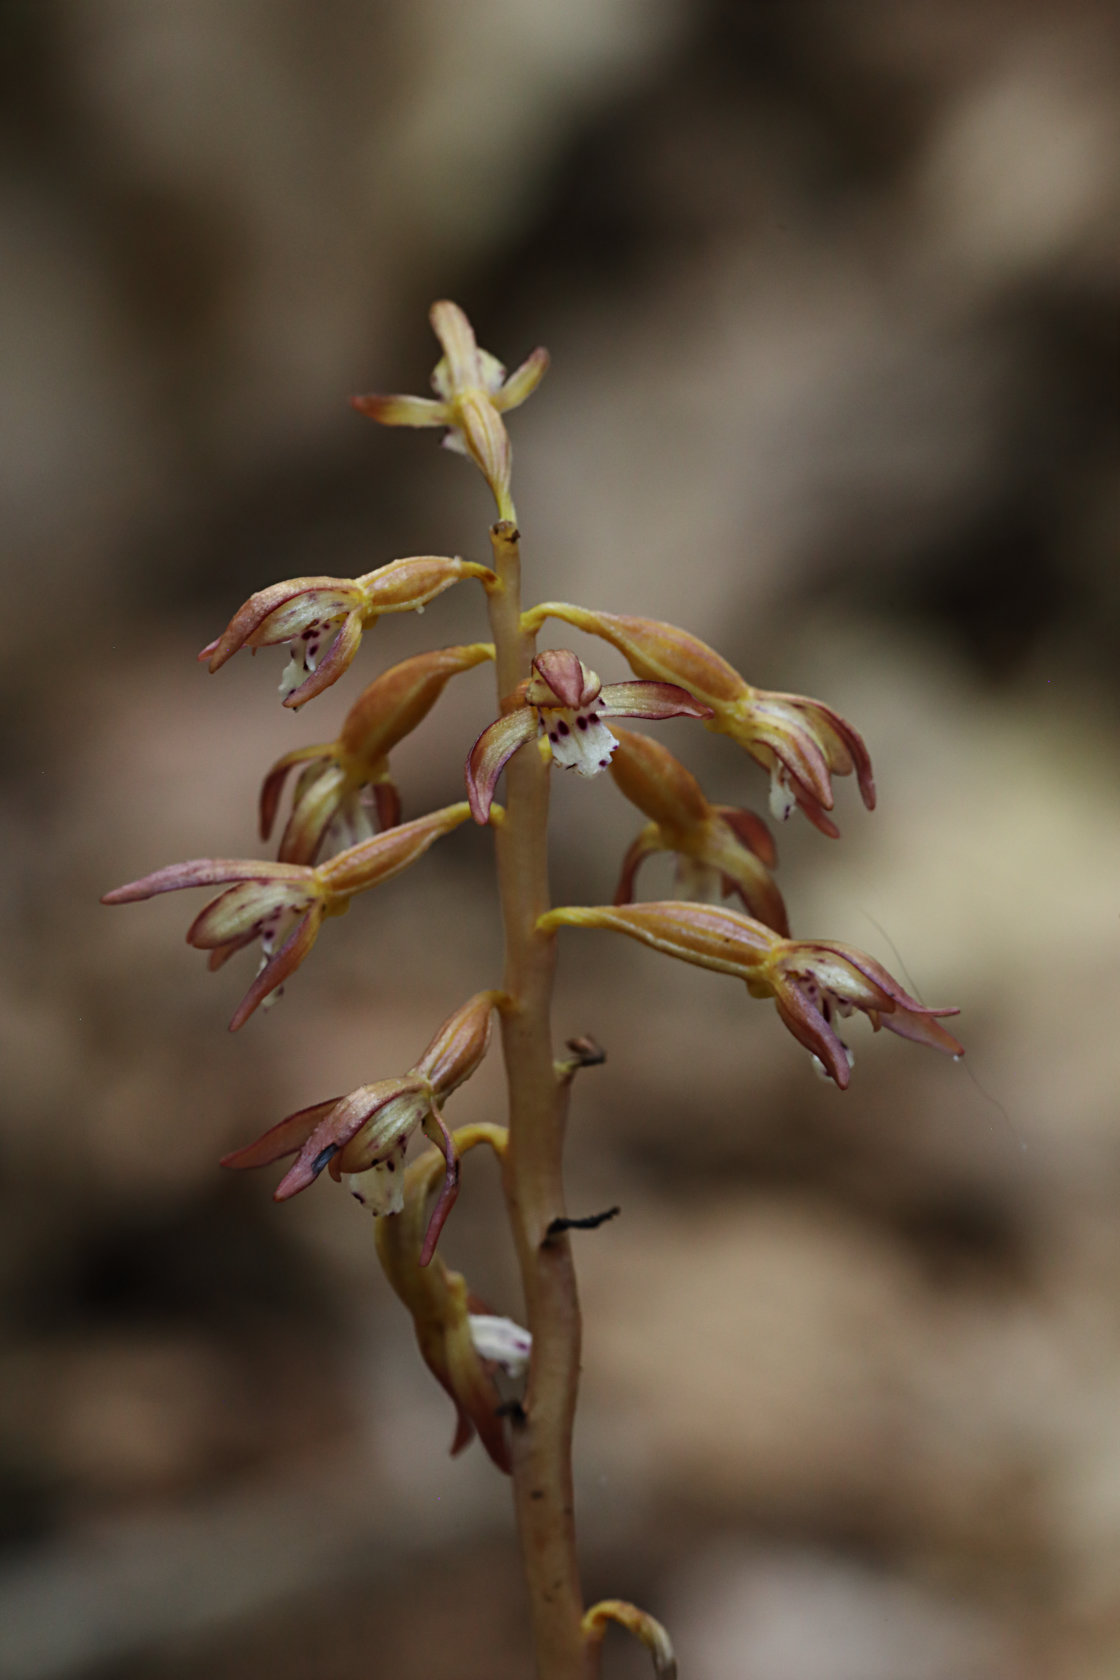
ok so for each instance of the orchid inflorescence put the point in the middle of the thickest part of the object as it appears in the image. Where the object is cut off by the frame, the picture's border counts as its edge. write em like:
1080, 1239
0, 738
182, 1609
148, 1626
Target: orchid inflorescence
344, 834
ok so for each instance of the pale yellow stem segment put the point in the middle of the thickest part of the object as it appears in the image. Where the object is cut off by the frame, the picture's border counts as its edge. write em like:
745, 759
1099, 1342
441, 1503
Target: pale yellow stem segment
532, 1173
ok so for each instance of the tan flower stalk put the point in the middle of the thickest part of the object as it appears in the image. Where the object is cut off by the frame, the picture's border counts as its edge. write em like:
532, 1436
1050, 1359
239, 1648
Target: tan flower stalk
514, 1379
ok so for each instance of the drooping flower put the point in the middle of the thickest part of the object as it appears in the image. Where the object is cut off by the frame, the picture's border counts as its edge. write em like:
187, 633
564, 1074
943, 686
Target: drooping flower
362, 1137
565, 704
813, 982
717, 846
445, 1315
472, 394
331, 806
321, 619
801, 742
284, 904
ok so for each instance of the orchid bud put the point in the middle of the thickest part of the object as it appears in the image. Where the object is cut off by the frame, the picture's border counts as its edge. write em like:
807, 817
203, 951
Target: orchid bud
460, 1044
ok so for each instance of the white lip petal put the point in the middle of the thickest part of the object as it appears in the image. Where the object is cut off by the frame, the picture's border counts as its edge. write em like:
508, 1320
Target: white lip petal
579, 741
502, 1341
380, 1187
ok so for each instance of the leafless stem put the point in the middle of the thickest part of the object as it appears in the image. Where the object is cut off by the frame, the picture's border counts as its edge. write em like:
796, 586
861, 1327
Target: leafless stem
533, 1176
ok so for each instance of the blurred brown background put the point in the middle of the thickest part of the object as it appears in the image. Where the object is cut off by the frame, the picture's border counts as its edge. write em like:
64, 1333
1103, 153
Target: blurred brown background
831, 293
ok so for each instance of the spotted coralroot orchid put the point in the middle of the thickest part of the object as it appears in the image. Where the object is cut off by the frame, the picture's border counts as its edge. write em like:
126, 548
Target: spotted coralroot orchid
331, 807
321, 619
472, 394
716, 846
813, 982
565, 706
449, 1328
362, 1137
284, 904
801, 742
549, 703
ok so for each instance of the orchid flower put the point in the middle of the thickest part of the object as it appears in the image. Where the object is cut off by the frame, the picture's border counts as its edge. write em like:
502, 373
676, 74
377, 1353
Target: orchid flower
801, 742
813, 982
321, 619
339, 780
285, 904
472, 394
363, 1136
457, 1341
564, 706
716, 845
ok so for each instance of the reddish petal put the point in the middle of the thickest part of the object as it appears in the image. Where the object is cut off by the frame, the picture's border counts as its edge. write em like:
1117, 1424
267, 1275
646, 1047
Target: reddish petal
388, 802
751, 830
334, 663
449, 1190
923, 1029
280, 1140
273, 785
648, 842
285, 962
649, 700
490, 754
810, 1028
567, 676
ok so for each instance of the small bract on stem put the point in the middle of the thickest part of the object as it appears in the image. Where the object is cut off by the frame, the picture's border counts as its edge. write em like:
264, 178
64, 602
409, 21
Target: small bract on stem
345, 835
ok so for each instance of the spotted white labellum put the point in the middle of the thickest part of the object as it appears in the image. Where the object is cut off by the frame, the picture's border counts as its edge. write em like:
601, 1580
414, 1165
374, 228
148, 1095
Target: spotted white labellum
380, 1187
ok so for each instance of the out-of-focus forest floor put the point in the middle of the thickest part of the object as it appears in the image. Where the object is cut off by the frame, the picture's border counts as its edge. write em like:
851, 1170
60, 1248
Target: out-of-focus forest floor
831, 294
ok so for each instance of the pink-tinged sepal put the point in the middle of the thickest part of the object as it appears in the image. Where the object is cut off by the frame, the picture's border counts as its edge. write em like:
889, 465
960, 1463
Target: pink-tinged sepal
751, 831
285, 1138
278, 967
202, 872
490, 755
303, 678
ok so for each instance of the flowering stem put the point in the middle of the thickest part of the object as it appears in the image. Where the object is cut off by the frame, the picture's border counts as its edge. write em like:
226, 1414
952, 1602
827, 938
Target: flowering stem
533, 1181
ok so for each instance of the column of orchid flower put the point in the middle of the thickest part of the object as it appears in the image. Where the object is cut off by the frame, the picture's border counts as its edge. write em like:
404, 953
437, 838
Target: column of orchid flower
344, 835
